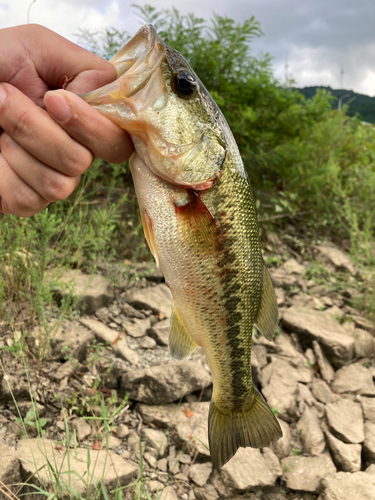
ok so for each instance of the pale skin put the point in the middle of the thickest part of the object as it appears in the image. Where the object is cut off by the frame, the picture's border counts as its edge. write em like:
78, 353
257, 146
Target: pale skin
49, 138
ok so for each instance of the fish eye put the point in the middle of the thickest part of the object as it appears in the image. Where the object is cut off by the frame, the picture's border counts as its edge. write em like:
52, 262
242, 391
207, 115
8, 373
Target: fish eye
183, 84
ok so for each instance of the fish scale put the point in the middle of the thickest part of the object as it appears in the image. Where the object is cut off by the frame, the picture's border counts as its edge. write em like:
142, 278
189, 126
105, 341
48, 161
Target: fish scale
200, 222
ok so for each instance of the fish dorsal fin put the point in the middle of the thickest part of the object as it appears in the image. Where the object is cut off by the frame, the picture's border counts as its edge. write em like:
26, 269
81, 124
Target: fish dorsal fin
268, 313
180, 342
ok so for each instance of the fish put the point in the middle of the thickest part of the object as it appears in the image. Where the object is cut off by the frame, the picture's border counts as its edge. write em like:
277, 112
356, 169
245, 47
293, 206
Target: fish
200, 222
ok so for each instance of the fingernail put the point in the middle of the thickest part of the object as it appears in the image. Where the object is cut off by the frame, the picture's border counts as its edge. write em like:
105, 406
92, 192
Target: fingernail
3, 94
58, 107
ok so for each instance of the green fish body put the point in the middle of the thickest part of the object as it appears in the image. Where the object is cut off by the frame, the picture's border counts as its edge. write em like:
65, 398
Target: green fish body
200, 222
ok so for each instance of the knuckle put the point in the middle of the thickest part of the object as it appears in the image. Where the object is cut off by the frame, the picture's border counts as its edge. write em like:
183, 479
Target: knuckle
79, 160
26, 202
21, 124
59, 188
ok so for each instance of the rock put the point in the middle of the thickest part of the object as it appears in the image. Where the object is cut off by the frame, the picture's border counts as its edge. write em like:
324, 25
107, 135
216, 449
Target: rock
131, 312
147, 343
280, 388
311, 434
272, 462
200, 473
322, 392
347, 457
334, 258
247, 470
363, 323
280, 296
65, 370
71, 340
325, 367
306, 473
370, 469
138, 328
287, 351
206, 493
310, 356
294, 267
282, 278
363, 343
155, 486
354, 379
168, 493
115, 339
283, 446
316, 325
102, 314
369, 443
305, 395
162, 464
10, 475
160, 332
83, 429
368, 407
165, 383
160, 416
156, 439
14, 387
108, 467
93, 291
157, 298
345, 420
345, 486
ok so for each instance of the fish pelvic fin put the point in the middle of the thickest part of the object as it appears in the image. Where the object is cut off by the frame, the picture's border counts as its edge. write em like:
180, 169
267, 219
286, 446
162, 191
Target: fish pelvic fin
180, 343
255, 427
268, 313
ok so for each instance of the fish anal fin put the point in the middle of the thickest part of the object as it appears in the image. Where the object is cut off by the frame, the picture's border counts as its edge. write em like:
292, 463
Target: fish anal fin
149, 234
268, 313
255, 427
198, 225
180, 342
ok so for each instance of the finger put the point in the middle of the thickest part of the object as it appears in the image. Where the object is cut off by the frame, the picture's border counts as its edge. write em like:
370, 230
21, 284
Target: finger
88, 127
33, 129
50, 184
16, 196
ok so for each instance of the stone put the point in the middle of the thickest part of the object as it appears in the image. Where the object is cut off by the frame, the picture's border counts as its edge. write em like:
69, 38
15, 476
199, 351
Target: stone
368, 407
325, 368
282, 278
184, 458
105, 466
310, 356
363, 343
369, 443
311, 434
206, 493
156, 439
65, 370
283, 446
345, 486
199, 473
354, 379
322, 392
116, 340
347, 457
147, 343
131, 312
247, 470
370, 469
287, 351
160, 332
122, 431
71, 340
157, 415
138, 328
93, 291
102, 314
305, 395
155, 486
280, 296
83, 429
293, 266
168, 493
345, 421
156, 298
165, 383
10, 474
280, 388
272, 462
363, 323
162, 464
316, 325
334, 258
306, 473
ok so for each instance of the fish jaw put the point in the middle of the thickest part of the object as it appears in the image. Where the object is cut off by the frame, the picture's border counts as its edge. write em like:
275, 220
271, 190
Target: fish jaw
185, 142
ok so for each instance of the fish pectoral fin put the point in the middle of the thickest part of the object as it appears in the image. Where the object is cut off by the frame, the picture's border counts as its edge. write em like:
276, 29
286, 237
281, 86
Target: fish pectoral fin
255, 427
180, 342
149, 235
268, 313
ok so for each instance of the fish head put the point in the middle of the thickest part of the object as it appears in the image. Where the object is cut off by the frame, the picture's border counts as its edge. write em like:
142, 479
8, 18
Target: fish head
176, 126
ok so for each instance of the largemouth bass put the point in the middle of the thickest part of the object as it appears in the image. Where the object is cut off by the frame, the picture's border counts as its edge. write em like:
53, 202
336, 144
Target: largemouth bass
200, 223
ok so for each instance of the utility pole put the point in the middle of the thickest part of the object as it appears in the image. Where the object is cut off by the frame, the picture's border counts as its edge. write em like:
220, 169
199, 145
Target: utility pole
341, 77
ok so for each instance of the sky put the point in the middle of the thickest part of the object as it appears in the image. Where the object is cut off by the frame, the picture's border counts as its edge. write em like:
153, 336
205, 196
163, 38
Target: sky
315, 42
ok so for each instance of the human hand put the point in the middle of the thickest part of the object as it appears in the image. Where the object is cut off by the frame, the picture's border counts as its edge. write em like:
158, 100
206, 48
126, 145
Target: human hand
49, 139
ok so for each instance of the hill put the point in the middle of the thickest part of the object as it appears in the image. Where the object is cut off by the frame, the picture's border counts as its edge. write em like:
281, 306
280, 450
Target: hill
362, 104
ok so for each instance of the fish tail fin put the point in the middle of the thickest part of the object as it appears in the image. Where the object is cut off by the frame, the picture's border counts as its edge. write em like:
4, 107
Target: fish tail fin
255, 427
